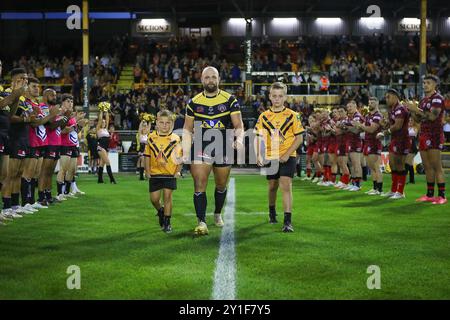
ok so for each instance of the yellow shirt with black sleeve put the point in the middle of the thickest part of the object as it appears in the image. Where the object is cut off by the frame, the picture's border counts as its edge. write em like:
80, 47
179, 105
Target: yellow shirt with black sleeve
213, 112
163, 150
278, 130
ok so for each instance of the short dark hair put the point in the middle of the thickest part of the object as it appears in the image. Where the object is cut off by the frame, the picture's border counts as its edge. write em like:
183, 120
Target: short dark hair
373, 98
66, 96
432, 77
394, 92
33, 80
17, 71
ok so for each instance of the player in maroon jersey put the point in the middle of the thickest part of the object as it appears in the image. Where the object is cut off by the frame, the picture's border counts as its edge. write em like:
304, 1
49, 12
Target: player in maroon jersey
400, 144
429, 113
341, 147
310, 147
372, 145
354, 144
315, 131
330, 159
332, 147
323, 119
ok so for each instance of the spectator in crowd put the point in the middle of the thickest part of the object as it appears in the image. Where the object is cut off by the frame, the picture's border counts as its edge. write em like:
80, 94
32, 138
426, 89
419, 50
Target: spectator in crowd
447, 128
297, 81
115, 145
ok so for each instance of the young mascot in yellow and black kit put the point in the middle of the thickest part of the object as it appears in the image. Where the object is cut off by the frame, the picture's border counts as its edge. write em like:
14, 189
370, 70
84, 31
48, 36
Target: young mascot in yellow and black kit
163, 164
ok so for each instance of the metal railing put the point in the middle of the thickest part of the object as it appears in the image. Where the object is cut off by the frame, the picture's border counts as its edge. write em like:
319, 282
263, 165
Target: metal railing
408, 89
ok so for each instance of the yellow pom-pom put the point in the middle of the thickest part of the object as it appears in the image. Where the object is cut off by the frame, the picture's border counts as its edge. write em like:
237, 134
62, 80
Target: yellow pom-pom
147, 117
104, 106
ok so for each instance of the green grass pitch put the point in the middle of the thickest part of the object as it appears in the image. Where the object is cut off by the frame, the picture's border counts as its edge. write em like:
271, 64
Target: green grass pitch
112, 234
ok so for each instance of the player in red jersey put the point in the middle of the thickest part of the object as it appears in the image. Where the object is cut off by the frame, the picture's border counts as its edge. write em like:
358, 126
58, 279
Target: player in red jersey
400, 143
341, 147
38, 141
51, 154
20, 146
354, 145
69, 151
372, 145
429, 113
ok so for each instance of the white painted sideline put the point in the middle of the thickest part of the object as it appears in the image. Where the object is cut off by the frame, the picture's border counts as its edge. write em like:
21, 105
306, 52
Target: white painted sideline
253, 213
225, 274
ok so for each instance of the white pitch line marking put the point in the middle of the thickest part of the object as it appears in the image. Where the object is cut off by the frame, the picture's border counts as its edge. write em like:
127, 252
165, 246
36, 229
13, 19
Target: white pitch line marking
225, 274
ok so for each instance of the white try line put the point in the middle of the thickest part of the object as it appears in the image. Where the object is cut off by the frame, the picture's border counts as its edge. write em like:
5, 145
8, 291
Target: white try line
244, 213
225, 274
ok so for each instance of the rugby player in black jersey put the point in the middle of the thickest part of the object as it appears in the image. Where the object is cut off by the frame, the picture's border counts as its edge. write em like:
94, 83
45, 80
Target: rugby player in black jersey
208, 114
9, 102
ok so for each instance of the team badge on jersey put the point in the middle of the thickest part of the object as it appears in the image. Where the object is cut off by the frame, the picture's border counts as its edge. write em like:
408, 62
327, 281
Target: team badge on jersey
41, 132
222, 108
73, 137
213, 124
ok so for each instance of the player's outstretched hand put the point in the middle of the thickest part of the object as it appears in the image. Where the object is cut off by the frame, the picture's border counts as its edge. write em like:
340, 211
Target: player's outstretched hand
412, 105
54, 111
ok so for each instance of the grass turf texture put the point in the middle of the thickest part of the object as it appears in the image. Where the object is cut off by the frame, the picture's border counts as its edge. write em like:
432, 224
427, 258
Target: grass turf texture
112, 234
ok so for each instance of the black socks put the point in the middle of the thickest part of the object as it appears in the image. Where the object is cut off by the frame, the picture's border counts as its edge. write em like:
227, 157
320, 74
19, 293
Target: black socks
287, 218
110, 174
100, 175
200, 202
219, 197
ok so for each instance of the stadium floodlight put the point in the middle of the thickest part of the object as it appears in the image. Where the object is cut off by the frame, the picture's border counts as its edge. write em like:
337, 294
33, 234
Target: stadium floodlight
329, 21
285, 21
237, 21
372, 22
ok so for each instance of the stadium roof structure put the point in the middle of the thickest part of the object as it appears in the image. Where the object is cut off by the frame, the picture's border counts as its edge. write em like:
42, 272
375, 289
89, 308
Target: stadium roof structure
183, 9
